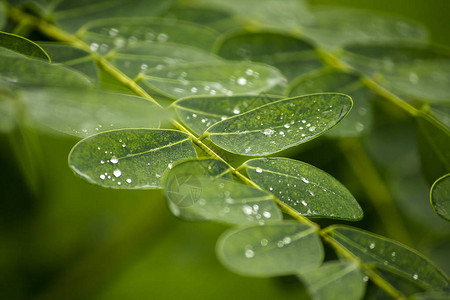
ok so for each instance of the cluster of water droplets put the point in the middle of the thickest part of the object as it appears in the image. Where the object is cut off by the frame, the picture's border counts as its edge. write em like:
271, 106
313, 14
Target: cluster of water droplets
116, 174
250, 251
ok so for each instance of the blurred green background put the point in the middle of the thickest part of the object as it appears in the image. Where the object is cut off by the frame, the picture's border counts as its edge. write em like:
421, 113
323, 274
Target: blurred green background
68, 239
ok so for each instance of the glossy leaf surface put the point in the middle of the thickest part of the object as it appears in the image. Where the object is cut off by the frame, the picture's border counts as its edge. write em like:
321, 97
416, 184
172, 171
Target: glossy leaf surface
86, 112
280, 124
22, 45
129, 158
308, 190
335, 280
292, 56
211, 78
399, 259
440, 197
201, 112
270, 250
359, 121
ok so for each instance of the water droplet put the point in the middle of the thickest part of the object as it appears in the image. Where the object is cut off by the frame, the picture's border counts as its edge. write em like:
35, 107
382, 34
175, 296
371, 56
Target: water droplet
114, 160
304, 180
242, 81
287, 125
236, 111
372, 245
117, 173
267, 214
366, 278
415, 276
268, 131
170, 165
393, 253
258, 170
304, 203
264, 242
247, 150
247, 210
249, 253
287, 240
311, 193
128, 180
93, 47
280, 244
102, 177
194, 90
162, 37
413, 78
312, 128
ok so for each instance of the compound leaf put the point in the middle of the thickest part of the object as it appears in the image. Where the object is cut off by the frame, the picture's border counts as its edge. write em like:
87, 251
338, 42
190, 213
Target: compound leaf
306, 189
129, 158
281, 124
270, 250
440, 197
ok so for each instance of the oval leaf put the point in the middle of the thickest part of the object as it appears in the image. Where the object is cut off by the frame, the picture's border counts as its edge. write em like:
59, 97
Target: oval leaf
270, 250
359, 121
129, 158
22, 45
292, 56
86, 112
279, 125
305, 188
335, 280
211, 78
440, 197
200, 112
204, 198
399, 259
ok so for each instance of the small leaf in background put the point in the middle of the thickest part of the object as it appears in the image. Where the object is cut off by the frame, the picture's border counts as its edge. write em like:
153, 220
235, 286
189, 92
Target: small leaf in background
334, 27
308, 190
22, 45
129, 158
72, 15
200, 112
86, 112
141, 56
72, 57
280, 125
25, 72
287, 14
393, 256
221, 200
212, 78
107, 34
433, 144
271, 250
359, 121
440, 197
335, 280
292, 56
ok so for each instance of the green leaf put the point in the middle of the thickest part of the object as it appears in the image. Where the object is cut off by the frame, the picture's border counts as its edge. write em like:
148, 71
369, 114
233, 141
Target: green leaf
22, 45
271, 250
433, 143
200, 112
393, 256
359, 121
71, 15
86, 112
281, 124
441, 112
129, 158
287, 14
141, 56
306, 189
205, 15
440, 197
204, 198
2, 15
430, 296
337, 26
74, 58
106, 34
292, 56
24, 72
211, 78
335, 280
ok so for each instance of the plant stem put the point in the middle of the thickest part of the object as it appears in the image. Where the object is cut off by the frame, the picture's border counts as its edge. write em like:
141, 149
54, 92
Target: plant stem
60, 35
